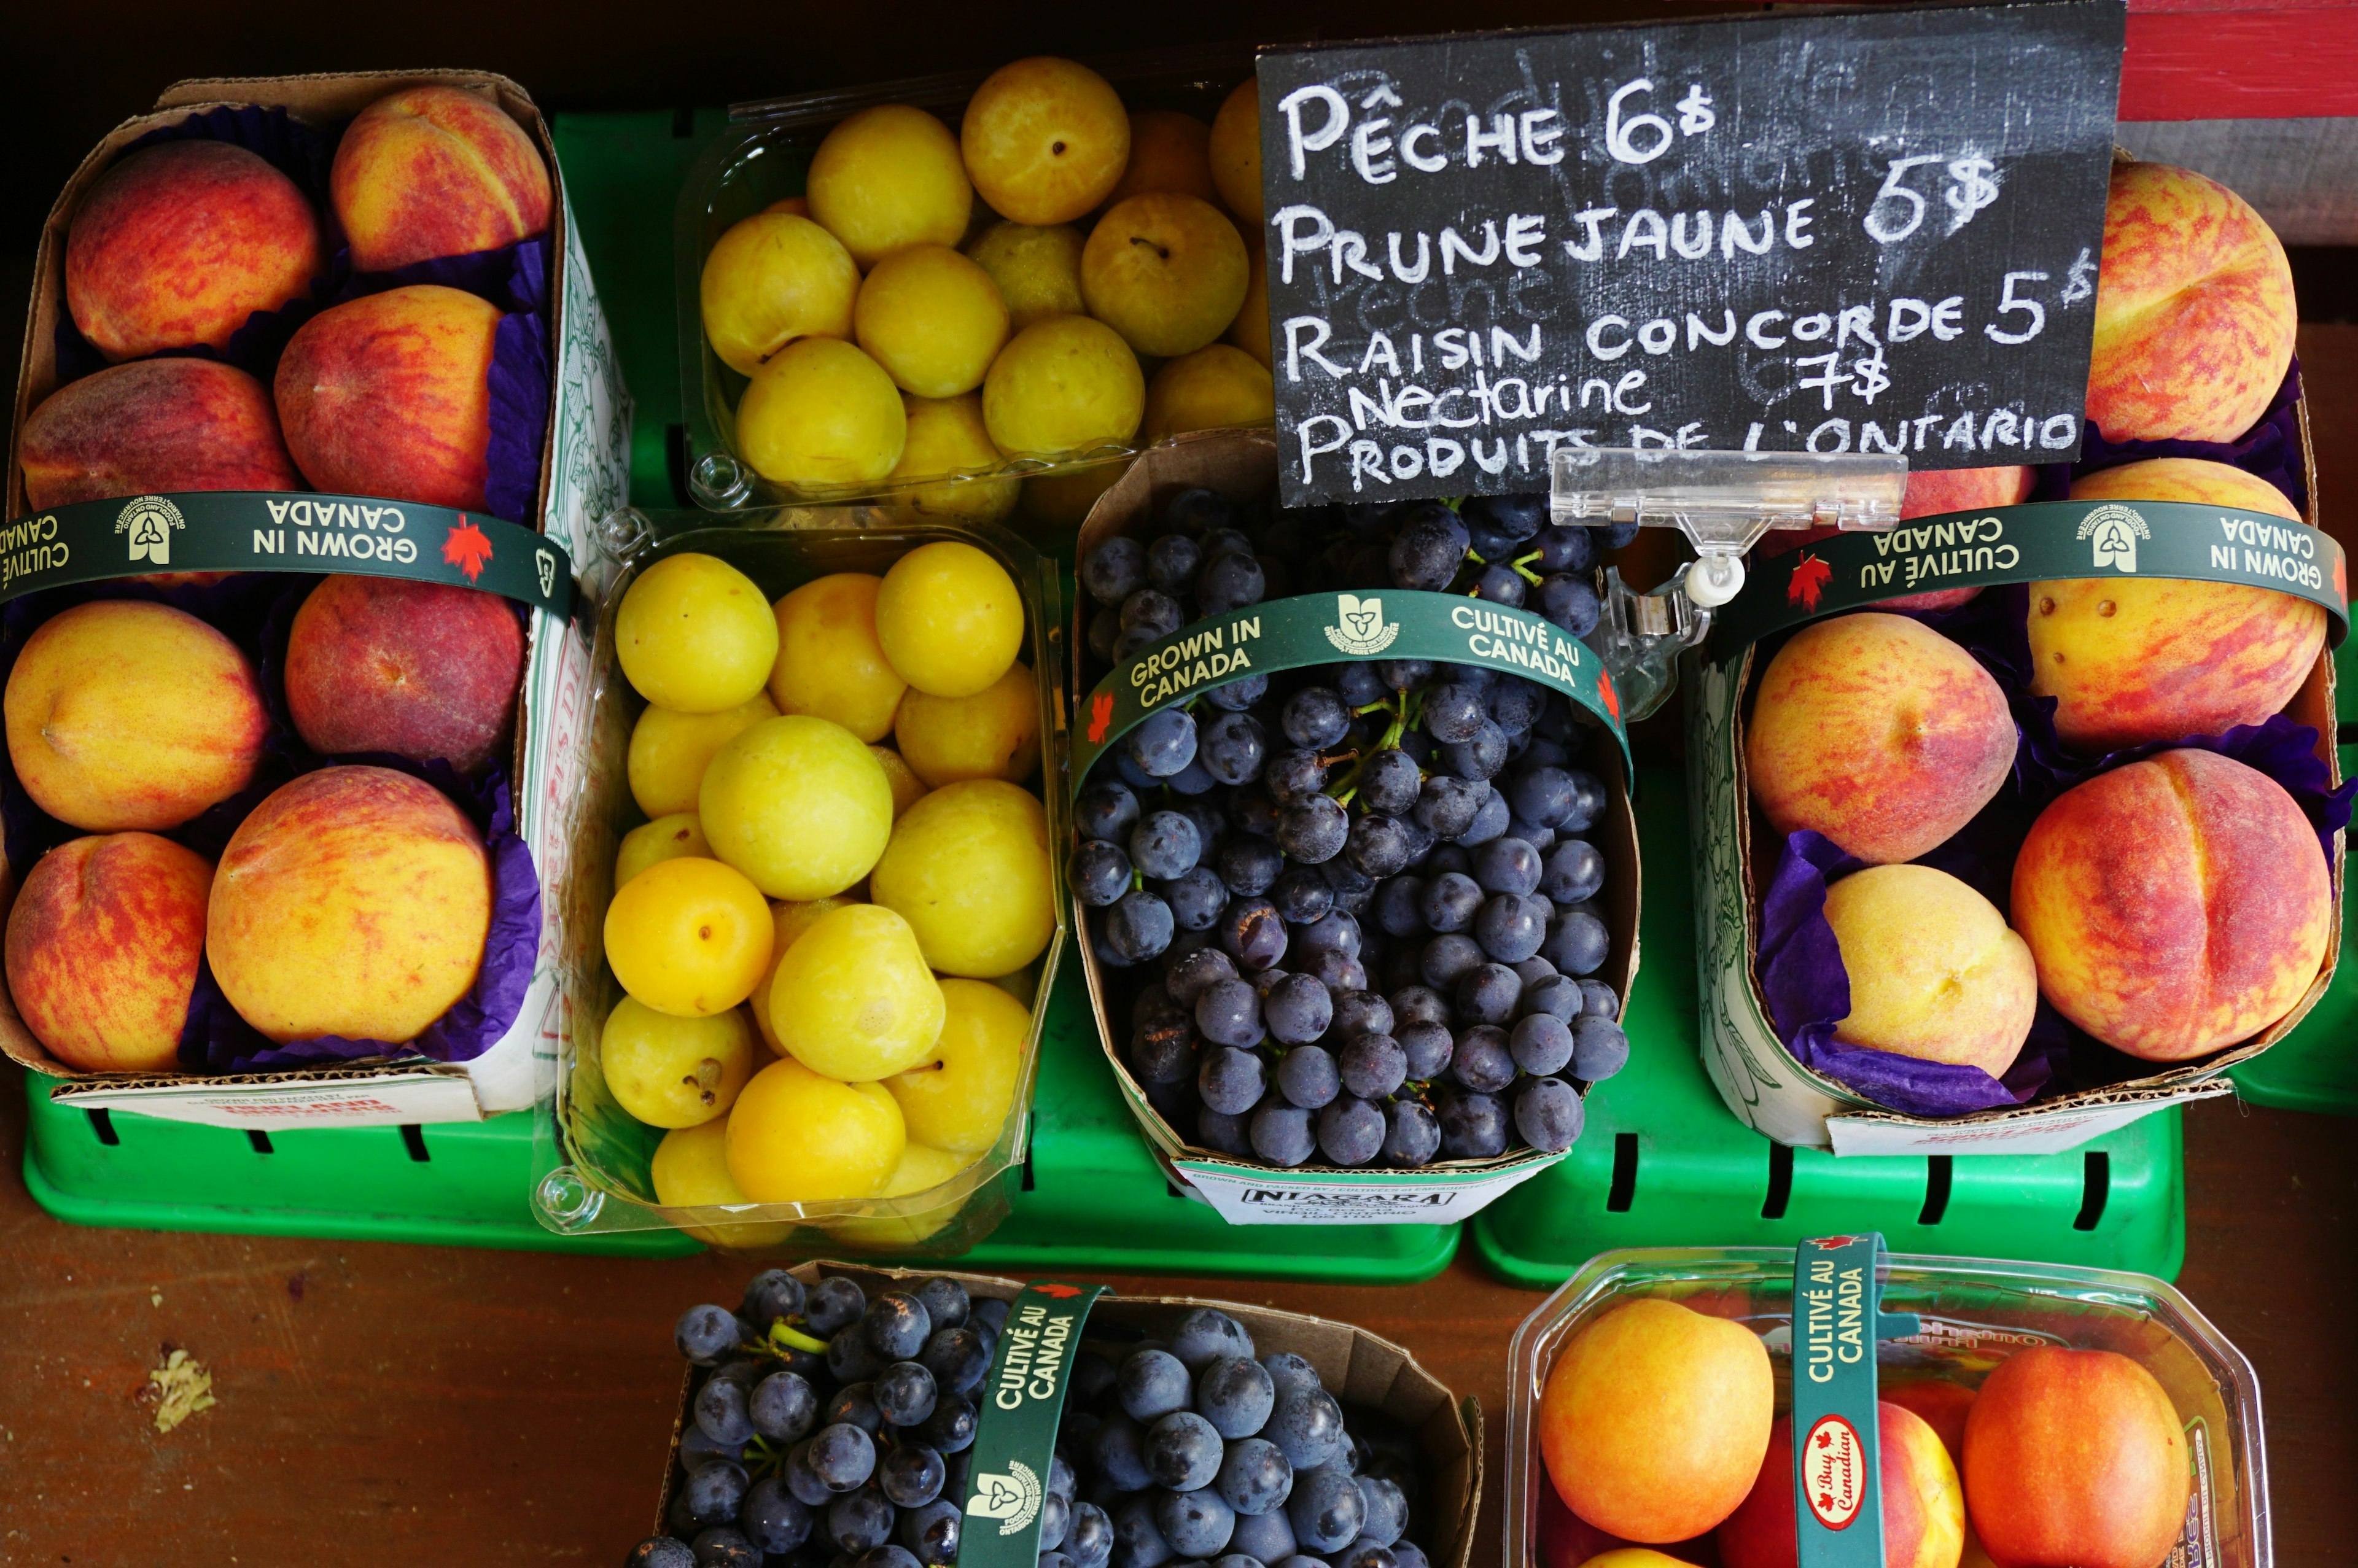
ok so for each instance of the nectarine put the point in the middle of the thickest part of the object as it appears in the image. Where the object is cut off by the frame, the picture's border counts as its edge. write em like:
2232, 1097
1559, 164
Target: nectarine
418, 669
435, 171
155, 424
1923, 1505
389, 394
1654, 1419
2075, 1459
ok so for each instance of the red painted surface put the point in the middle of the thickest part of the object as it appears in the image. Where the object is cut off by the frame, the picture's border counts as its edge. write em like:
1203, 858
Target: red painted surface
2240, 60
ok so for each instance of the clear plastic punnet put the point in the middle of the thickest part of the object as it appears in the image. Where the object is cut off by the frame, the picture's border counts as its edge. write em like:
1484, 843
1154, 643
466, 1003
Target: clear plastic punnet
1972, 1314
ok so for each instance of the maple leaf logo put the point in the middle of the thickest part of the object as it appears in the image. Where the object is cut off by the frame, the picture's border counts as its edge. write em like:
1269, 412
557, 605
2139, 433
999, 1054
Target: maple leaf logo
467, 548
2342, 579
1612, 699
1809, 580
1062, 1292
1100, 717
1825, 1440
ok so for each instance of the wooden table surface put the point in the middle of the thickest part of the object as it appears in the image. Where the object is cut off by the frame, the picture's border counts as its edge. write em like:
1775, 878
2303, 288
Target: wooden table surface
394, 1405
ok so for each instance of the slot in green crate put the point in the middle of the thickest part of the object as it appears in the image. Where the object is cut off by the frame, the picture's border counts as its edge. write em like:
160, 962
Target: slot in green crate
1662, 1163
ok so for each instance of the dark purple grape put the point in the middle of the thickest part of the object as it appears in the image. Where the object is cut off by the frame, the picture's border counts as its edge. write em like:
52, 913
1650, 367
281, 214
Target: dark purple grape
782, 1406
1254, 1477
1307, 1077
1337, 931
1455, 711
1598, 999
1450, 901
1282, 1134
1118, 1451
1425, 555
1358, 1013
1196, 899
1223, 1133
1225, 541
1386, 1514
1417, 1003
1359, 685
1574, 872
958, 1358
1351, 887
1507, 865
1151, 1384
1194, 779
1293, 776
666, 1551
1229, 1013
1114, 570
1105, 633
1152, 612
1483, 1061
1447, 806
1338, 972
1428, 1048
1531, 833
1519, 517
1183, 1452
1239, 694
1579, 944
1231, 1081
1197, 1524
1540, 1045
1099, 873
1252, 811
1313, 829
1516, 705
1190, 975
1350, 1131
1405, 675
1089, 1537
1510, 927
1137, 926
1569, 603
1170, 563
1500, 584
1302, 895
1389, 782
1486, 993
1230, 582
951, 1429
1198, 512
1235, 1393
1315, 718
1558, 996
1541, 795
1445, 959
1374, 1065
1548, 1114
834, 1305
706, 1334
1136, 1543
1378, 847
1231, 748
1490, 820
1162, 744
1398, 907
1248, 866
930, 1533
1325, 1510
721, 1412
1252, 932
1564, 549
1411, 1136
842, 1457
1297, 1010
1166, 844
1599, 1048
905, 1393
1473, 1126
1107, 811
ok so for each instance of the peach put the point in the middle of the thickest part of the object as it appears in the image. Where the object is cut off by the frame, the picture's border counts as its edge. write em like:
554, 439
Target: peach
1878, 732
2133, 659
1934, 973
2174, 905
353, 902
125, 714
419, 669
1654, 1420
157, 425
1937, 490
102, 947
1568, 1540
2075, 1459
2194, 311
388, 395
435, 171
177, 245
1923, 1505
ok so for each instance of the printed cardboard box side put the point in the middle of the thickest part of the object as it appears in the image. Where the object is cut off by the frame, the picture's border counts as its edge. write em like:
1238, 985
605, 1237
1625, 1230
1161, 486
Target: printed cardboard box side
583, 474
1758, 1076
1242, 465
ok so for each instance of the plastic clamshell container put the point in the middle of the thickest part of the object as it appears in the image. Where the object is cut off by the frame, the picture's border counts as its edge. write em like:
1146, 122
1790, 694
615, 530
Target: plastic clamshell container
763, 158
1975, 1312
592, 1159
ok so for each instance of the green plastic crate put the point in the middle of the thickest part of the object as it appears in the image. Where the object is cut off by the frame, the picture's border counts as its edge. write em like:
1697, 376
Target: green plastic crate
1662, 1164
463, 1184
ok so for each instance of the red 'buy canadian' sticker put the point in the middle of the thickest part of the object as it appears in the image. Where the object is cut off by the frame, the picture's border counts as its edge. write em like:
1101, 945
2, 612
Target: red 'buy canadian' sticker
1833, 1471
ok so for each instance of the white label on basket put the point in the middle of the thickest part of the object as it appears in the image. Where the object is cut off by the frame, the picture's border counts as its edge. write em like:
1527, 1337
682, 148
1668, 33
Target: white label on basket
386, 1100
2051, 1132
1273, 1198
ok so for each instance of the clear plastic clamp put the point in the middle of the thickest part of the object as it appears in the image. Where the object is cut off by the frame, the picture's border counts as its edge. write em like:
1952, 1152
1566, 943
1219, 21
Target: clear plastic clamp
1723, 503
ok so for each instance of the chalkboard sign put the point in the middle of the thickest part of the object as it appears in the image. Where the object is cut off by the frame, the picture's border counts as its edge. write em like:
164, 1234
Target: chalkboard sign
1828, 233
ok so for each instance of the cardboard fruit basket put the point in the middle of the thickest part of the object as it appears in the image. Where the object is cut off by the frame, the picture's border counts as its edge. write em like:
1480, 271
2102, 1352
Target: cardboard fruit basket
763, 158
1357, 1367
1972, 1314
580, 472
1757, 1075
1242, 465
592, 1159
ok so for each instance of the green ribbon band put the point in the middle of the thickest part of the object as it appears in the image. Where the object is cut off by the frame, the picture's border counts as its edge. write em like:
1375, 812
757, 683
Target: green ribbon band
1837, 1321
2049, 539
1022, 1402
1327, 628
271, 531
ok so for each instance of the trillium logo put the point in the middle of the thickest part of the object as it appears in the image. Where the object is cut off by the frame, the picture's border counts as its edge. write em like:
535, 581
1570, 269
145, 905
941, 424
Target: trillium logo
149, 520
1013, 1499
1360, 628
2115, 530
